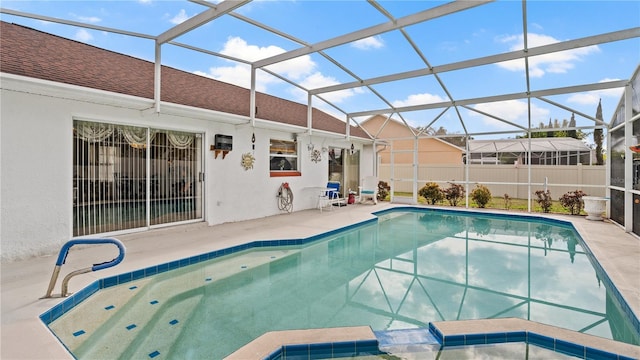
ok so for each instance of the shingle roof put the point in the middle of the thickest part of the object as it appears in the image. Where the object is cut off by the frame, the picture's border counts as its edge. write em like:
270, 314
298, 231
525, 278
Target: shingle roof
29, 52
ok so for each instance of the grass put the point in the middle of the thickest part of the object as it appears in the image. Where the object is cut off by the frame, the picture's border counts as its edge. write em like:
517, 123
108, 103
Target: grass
499, 203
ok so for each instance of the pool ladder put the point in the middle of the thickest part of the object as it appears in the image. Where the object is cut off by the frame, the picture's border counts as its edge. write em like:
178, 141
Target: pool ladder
62, 257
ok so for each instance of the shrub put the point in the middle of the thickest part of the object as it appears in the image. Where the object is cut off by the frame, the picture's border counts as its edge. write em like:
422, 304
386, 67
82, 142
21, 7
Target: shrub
507, 201
454, 193
572, 201
383, 190
431, 191
544, 200
481, 195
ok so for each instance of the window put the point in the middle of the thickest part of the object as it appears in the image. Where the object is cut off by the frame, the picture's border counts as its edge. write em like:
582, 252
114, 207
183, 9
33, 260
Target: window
283, 158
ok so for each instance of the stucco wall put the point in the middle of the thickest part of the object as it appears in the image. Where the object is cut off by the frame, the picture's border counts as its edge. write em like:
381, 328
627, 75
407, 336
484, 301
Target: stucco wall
36, 152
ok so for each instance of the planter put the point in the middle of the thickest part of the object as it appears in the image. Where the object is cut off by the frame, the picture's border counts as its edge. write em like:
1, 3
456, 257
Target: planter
594, 206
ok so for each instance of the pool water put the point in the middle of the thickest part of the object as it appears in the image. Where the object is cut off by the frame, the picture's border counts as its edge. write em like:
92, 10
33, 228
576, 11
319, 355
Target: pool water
506, 351
405, 270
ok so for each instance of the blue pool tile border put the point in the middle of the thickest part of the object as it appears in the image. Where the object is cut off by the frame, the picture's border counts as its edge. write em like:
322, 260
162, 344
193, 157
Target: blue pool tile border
558, 345
60, 309
339, 349
347, 349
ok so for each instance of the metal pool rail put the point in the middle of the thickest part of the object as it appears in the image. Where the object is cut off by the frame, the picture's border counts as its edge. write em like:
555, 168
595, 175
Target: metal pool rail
62, 257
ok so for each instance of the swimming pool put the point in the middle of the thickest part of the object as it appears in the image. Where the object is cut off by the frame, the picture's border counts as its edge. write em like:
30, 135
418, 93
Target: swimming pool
405, 270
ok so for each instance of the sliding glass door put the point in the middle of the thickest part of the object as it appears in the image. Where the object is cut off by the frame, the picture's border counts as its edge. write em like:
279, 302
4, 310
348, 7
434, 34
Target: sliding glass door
127, 177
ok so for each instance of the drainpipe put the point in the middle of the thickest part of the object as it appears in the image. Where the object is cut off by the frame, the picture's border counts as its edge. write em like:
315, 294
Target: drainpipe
252, 98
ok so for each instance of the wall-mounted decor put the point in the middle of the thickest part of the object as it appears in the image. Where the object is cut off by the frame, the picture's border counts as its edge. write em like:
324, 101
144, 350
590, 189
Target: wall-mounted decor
247, 161
316, 156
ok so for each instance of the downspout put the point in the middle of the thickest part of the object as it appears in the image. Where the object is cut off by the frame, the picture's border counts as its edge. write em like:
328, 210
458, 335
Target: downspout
309, 114
253, 109
375, 160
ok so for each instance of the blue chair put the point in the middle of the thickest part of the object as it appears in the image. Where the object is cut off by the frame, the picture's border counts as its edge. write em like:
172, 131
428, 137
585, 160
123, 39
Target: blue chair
333, 194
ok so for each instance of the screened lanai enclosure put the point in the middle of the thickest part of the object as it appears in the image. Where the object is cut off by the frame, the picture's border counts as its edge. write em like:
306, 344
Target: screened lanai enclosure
544, 151
530, 100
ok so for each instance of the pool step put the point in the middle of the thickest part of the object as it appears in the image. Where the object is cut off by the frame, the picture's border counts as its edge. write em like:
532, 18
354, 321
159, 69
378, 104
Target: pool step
125, 321
409, 344
124, 331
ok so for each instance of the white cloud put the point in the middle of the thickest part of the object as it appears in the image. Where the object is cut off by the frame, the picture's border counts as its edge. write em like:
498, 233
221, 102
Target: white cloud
180, 17
514, 111
317, 80
372, 42
593, 97
559, 63
89, 19
144, 1
239, 75
419, 99
295, 69
301, 70
83, 35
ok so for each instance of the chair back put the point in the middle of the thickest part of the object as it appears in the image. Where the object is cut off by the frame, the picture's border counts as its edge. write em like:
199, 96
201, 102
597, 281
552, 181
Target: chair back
333, 185
370, 183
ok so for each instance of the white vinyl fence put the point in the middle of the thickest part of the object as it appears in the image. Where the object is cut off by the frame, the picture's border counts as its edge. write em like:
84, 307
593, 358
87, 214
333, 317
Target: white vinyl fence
502, 179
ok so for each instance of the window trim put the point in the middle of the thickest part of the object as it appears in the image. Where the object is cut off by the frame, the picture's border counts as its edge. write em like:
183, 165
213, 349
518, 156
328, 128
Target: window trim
292, 156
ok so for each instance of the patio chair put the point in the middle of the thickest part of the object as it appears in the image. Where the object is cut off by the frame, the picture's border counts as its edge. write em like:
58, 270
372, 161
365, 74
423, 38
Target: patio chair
333, 194
329, 195
369, 189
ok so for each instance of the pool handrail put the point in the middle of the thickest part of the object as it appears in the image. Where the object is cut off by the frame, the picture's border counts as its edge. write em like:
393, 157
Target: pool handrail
62, 257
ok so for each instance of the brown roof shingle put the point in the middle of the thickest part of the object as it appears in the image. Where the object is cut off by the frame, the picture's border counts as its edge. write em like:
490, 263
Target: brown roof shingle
29, 52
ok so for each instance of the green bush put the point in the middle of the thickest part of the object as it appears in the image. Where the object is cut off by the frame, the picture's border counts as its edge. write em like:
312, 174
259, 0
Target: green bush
544, 200
431, 192
481, 195
572, 201
454, 193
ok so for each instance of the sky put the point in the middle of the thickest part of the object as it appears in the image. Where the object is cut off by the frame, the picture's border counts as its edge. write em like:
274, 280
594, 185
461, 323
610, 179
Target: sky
481, 31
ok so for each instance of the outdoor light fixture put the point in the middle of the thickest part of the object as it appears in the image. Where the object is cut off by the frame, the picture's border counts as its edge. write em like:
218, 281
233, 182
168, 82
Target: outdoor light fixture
310, 147
352, 149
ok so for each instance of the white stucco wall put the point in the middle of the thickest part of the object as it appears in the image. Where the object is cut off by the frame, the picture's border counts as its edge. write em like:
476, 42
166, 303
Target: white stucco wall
36, 154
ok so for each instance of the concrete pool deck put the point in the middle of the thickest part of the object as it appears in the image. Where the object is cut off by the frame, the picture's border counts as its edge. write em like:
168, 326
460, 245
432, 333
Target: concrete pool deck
24, 336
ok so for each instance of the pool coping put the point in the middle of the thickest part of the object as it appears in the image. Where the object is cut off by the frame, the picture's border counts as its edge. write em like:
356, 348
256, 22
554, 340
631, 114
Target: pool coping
356, 340
64, 306
272, 343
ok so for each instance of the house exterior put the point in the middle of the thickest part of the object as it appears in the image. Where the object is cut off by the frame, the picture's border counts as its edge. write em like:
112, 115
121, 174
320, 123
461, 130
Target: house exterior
399, 138
85, 150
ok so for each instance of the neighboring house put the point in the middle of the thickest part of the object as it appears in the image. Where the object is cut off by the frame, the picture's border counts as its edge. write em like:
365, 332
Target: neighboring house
85, 152
399, 138
544, 151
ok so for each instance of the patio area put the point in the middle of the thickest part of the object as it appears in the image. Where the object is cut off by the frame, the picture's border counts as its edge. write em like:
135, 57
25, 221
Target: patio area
23, 282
